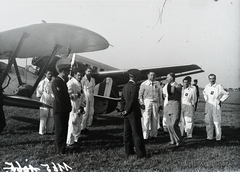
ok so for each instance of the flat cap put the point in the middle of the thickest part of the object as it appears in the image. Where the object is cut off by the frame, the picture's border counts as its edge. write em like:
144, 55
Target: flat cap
134, 72
64, 67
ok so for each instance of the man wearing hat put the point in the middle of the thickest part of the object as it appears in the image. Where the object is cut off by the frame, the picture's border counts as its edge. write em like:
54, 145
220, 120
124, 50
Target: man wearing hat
130, 107
75, 91
61, 107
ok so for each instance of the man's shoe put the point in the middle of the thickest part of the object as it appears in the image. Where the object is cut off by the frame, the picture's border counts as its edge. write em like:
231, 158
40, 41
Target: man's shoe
210, 140
141, 156
84, 131
179, 143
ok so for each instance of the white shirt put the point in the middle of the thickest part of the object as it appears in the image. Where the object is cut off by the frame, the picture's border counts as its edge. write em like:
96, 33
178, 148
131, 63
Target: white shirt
150, 90
88, 86
44, 90
215, 93
74, 88
165, 93
188, 96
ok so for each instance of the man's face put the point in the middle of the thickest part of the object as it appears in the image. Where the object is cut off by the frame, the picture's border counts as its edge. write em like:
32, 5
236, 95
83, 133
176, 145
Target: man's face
49, 75
186, 83
151, 76
212, 79
88, 72
65, 74
78, 76
169, 78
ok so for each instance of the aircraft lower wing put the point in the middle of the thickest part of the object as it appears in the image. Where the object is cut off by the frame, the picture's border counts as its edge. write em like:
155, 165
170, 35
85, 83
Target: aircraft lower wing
120, 77
106, 92
25, 102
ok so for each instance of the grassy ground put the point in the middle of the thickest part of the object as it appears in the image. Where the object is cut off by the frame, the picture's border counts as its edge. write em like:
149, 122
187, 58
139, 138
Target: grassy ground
102, 148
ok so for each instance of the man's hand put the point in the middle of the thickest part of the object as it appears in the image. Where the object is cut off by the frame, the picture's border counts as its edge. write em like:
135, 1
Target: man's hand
220, 103
160, 108
142, 106
123, 113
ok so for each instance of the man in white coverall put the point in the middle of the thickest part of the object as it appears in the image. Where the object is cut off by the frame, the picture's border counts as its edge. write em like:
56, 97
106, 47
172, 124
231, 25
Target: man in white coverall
187, 111
214, 95
150, 97
165, 96
88, 83
44, 92
75, 92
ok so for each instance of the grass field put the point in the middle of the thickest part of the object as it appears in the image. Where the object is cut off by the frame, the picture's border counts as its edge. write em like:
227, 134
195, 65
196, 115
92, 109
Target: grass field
102, 148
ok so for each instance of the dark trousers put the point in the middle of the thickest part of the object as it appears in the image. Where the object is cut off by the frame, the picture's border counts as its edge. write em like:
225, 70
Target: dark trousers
61, 130
196, 106
2, 116
133, 137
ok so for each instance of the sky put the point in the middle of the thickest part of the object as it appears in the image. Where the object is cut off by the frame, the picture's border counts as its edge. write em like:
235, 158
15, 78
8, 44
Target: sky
147, 33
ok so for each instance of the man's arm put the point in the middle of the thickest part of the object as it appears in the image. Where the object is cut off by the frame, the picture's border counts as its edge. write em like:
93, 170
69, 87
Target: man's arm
205, 94
39, 90
141, 92
133, 97
223, 95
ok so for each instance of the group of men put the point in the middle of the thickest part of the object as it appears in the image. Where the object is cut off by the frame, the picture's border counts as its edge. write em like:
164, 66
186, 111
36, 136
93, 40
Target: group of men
180, 103
72, 100
73, 110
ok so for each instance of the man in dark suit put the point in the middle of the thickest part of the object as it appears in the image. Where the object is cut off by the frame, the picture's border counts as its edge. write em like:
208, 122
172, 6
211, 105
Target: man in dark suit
133, 136
2, 116
61, 107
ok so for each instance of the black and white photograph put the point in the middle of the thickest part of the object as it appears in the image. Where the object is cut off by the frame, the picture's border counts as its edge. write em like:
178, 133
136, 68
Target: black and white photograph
119, 85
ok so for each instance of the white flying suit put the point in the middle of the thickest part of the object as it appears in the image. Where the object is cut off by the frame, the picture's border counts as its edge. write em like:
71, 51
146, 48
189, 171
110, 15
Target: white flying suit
88, 89
150, 95
74, 124
165, 93
213, 95
187, 111
44, 91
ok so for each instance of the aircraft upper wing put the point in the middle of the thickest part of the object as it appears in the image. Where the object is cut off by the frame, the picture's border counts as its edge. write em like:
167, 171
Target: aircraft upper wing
120, 77
42, 38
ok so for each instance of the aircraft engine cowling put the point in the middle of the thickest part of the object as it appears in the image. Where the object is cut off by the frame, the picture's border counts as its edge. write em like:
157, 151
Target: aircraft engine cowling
106, 96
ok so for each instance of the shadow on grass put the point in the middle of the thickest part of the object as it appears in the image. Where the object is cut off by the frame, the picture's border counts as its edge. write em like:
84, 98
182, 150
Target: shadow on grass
230, 137
107, 119
26, 120
33, 124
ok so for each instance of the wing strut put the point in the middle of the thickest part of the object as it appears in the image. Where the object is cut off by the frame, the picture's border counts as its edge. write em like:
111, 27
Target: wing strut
12, 58
55, 50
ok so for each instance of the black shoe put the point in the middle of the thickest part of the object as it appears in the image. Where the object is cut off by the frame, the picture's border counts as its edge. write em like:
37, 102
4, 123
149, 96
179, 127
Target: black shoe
209, 140
84, 131
141, 156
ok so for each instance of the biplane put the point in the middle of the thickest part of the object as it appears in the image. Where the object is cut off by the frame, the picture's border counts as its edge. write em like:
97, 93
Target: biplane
48, 43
